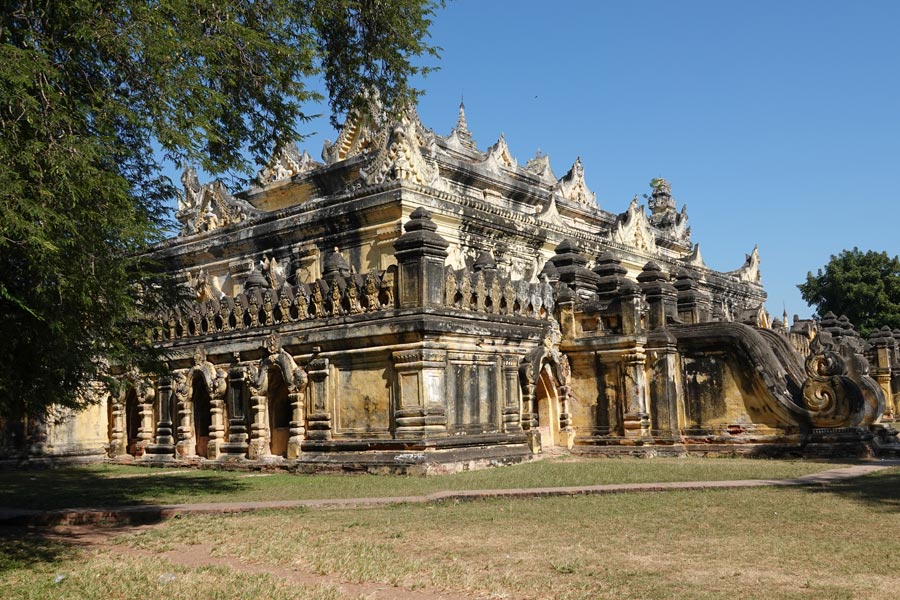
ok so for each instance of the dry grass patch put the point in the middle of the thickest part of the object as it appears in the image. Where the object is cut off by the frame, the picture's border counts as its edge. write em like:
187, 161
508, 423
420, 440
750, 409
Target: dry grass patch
780, 543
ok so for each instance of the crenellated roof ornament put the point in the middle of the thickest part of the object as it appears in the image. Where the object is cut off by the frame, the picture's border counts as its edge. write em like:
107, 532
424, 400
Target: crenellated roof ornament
407, 154
540, 166
363, 131
499, 157
572, 186
286, 163
209, 206
749, 271
663, 214
632, 229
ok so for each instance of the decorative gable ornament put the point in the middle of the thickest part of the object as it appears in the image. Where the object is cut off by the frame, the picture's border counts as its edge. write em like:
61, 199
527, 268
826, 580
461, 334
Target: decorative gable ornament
406, 154
572, 186
632, 229
286, 163
540, 166
363, 131
499, 157
210, 206
749, 271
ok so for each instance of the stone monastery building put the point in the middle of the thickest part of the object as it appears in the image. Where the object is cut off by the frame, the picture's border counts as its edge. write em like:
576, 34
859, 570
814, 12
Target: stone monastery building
415, 301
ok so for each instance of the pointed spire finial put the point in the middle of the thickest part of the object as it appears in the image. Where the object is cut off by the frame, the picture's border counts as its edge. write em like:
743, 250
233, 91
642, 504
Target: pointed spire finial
462, 127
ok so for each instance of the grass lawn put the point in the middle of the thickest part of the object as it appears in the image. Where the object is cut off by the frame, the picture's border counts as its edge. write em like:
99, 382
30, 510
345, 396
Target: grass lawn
113, 485
835, 541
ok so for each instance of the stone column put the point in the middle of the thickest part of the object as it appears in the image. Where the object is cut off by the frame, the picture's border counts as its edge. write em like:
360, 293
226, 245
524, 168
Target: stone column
512, 406
118, 445
145, 432
164, 446
217, 417
237, 445
319, 420
420, 254
259, 411
566, 431
185, 446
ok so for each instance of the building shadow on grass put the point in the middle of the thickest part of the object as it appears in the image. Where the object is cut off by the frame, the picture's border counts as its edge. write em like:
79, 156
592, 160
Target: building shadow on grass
31, 502
879, 490
87, 488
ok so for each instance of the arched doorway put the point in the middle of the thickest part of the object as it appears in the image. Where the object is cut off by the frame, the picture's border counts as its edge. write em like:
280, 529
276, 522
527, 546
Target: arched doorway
132, 422
279, 413
546, 398
202, 413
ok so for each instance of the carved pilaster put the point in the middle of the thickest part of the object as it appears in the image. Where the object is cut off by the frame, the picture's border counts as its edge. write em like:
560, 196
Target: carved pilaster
259, 427
636, 418
512, 405
237, 444
319, 419
421, 410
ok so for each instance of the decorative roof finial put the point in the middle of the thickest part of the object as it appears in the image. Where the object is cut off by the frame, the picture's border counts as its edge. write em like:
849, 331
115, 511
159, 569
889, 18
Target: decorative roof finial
462, 127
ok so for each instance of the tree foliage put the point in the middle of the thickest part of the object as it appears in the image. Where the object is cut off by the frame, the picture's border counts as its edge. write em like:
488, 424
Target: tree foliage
863, 286
92, 92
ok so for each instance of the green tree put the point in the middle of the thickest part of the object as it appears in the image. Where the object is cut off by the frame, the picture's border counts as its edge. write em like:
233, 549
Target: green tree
91, 92
863, 286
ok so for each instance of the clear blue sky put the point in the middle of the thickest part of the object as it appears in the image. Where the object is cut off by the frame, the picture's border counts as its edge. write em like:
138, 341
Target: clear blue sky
776, 122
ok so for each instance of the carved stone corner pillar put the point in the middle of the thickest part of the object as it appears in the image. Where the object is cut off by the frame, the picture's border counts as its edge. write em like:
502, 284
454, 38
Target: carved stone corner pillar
421, 409
420, 254
318, 422
636, 419
164, 444
297, 399
237, 445
666, 403
512, 405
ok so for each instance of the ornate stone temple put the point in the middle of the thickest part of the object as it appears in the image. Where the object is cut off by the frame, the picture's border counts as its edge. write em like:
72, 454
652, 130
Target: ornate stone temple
413, 300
